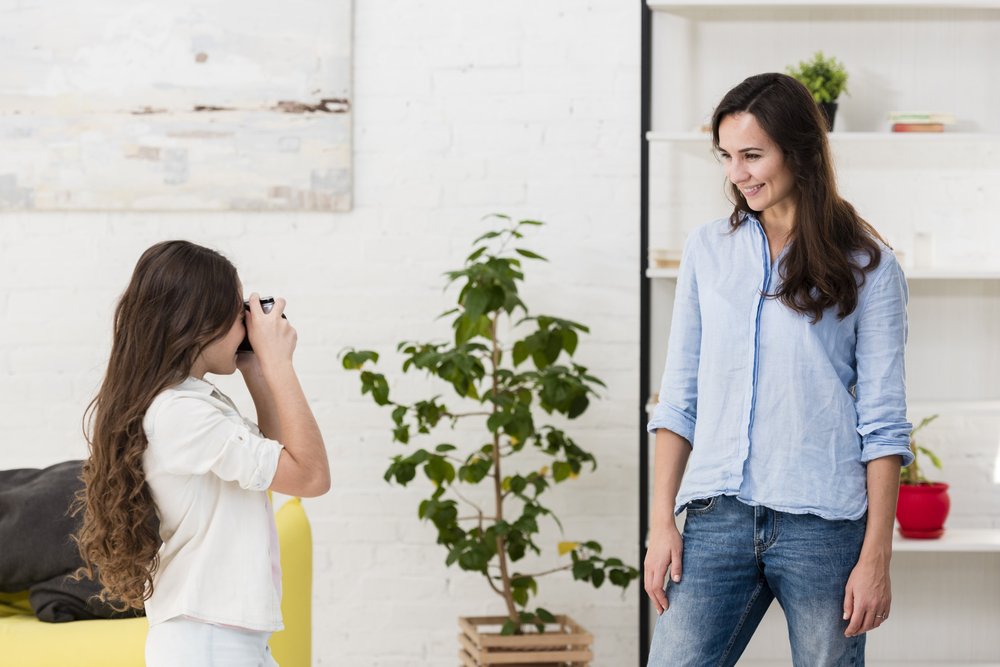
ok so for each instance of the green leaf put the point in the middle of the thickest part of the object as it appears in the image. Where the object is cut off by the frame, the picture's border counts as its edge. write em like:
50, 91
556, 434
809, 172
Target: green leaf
529, 254
520, 352
545, 615
597, 577
497, 420
508, 628
578, 406
530, 222
355, 360
582, 569
487, 235
445, 448
474, 256
476, 301
570, 340
934, 459
398, 414
561, 470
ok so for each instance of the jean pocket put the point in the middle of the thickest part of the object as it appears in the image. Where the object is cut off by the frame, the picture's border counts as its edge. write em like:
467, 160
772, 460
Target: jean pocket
701, 505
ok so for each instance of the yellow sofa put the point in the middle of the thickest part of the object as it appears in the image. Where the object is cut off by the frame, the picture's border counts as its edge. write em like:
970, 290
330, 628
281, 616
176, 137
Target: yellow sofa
27, 642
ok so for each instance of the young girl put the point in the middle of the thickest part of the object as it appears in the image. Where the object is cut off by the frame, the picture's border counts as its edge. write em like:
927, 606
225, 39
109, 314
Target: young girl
782, 406
166, 444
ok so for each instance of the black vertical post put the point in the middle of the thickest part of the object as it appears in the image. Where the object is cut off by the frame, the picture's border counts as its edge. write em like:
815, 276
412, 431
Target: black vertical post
644, 319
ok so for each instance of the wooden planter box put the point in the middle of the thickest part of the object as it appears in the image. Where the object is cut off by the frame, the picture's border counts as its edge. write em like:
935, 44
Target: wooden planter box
564, 644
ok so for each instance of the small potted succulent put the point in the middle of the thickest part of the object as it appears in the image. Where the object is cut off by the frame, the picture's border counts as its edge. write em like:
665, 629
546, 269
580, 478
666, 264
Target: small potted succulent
923, 506
826, 79
503, 386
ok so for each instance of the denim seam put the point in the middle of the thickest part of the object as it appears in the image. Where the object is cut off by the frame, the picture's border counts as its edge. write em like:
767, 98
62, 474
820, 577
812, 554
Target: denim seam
743, 618
774, 534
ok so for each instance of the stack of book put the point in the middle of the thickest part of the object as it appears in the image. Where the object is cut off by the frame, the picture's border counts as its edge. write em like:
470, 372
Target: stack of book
909, 121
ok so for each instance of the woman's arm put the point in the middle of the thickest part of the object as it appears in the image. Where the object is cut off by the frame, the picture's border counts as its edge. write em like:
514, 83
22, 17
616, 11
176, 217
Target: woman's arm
666, 547
869, 593
303, 466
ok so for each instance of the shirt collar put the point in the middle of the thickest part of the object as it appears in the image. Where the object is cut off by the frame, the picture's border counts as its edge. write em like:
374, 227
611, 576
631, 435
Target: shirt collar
194, 384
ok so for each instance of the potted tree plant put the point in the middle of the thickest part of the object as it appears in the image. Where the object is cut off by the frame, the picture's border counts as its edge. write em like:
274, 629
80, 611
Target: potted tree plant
488, 375
923, 506
826, 79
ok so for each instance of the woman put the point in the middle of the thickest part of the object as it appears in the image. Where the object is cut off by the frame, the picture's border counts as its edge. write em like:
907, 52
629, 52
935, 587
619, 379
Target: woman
783, 394
166, 443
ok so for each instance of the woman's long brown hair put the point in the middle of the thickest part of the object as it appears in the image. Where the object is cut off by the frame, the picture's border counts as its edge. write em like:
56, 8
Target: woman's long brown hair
821, 268
181, 298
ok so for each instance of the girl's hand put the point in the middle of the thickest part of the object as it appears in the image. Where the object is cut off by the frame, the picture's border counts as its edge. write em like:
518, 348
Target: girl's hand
248, 364
272, 337
665, 554
868, 595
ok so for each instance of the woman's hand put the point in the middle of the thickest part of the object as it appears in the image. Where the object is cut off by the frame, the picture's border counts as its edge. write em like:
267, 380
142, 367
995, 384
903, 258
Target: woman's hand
272, 337
868, 595
665, 553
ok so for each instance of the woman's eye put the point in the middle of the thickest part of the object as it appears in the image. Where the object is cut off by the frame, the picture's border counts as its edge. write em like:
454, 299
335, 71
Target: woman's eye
752, 156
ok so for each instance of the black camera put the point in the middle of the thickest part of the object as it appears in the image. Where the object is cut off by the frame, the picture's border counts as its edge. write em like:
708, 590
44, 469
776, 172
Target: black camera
266, 303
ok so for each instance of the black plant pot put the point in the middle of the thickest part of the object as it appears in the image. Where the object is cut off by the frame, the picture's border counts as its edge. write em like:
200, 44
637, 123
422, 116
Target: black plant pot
829, 110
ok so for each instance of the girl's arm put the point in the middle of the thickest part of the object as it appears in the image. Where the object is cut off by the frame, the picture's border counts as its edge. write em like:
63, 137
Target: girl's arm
303, 466
260, 392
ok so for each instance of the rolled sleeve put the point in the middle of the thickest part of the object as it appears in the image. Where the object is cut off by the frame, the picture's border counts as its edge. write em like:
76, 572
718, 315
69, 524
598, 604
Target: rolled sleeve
881, 383
193, 437
677, 409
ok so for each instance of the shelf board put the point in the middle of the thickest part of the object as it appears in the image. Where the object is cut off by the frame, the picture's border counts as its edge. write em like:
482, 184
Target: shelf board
951, 274
842, 137
911, 274
653, 272
925, 408
954, 540
681, 5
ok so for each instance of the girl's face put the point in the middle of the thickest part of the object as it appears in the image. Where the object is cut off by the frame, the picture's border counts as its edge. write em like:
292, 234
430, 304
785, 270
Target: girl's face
220, 357
755, 164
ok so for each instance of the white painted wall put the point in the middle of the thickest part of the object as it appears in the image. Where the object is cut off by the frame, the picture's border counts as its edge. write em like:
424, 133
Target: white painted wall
462, 109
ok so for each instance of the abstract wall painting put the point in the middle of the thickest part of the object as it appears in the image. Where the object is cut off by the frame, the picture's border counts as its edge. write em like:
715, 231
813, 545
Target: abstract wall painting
189, 106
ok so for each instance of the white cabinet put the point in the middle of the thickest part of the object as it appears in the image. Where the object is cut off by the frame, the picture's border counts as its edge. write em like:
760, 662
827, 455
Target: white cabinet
901, 56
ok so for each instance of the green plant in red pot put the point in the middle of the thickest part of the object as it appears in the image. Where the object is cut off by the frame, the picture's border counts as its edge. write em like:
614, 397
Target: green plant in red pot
923, 506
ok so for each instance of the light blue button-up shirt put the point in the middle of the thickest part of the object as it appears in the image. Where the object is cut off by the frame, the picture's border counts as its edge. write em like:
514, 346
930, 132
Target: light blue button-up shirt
781, 412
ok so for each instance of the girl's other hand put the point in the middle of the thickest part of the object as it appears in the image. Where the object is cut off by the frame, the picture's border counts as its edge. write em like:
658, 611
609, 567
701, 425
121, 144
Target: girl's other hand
247, 363
272, 337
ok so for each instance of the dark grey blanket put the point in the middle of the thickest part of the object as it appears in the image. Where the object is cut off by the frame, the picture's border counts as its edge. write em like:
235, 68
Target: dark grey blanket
36, 552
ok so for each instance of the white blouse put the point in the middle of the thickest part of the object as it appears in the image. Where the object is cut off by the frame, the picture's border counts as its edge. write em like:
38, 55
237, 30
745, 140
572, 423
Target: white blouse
209, 469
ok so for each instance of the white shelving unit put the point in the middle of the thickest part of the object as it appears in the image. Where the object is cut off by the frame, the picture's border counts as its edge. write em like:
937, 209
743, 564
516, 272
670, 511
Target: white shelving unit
911, 274
882, 4
901, 55
844, 137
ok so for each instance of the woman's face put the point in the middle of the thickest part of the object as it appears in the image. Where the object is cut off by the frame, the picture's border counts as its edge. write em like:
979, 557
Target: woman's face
220, 357
755, 164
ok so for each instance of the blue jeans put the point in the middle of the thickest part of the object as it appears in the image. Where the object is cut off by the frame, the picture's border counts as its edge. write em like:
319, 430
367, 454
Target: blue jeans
738, 558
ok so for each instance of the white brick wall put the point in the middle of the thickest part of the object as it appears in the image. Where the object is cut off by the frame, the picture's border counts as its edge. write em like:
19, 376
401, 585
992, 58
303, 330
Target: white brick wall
462, 109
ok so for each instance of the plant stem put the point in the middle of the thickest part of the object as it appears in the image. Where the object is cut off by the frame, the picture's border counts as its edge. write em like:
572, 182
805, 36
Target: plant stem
542, 574
508, 594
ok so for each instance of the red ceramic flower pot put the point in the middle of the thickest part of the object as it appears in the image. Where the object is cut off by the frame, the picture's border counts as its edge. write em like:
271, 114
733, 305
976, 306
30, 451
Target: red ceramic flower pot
922, 509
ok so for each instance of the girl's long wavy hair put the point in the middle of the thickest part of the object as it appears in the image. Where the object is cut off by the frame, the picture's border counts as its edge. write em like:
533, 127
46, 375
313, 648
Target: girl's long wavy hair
181, 298
821, 268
